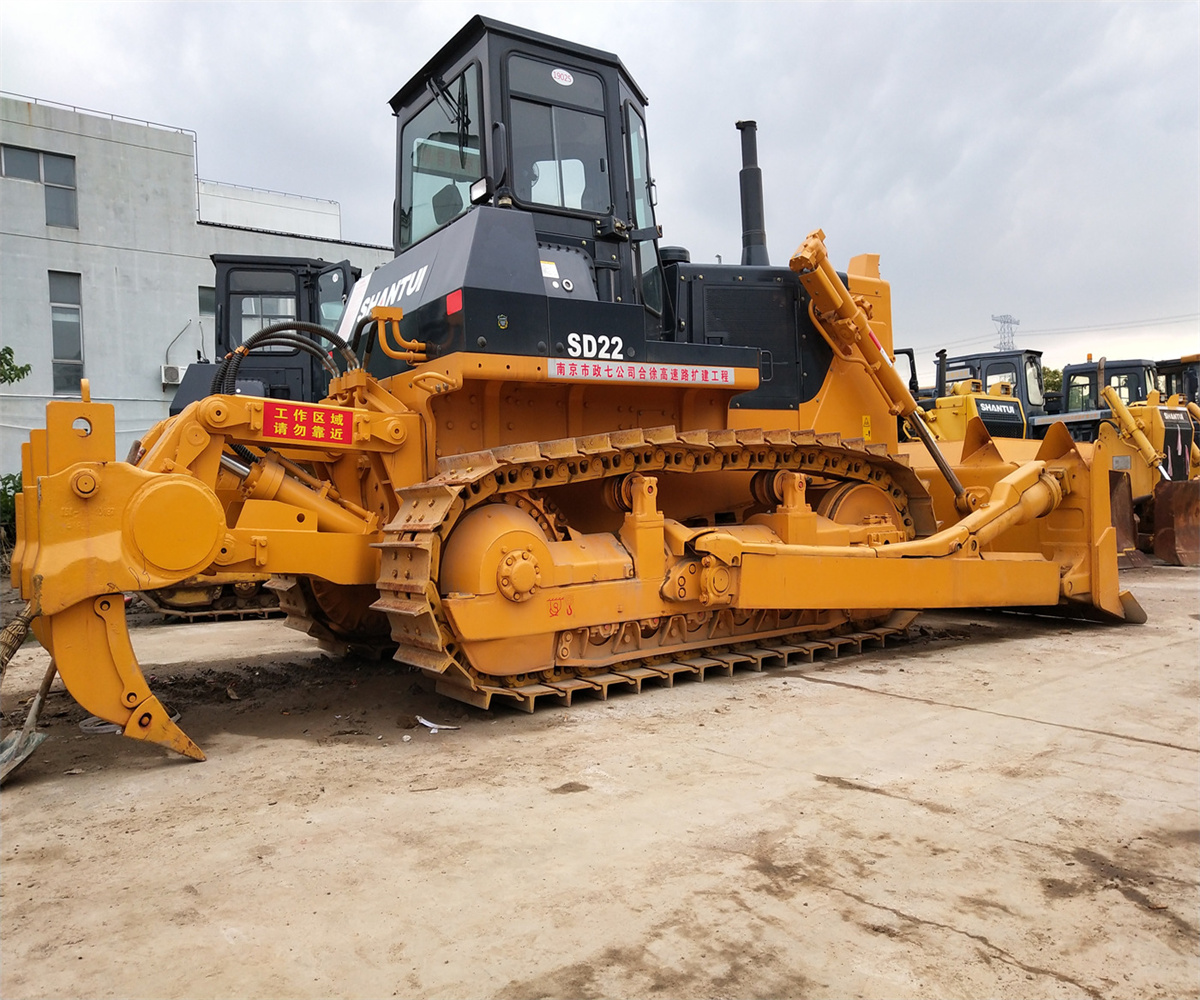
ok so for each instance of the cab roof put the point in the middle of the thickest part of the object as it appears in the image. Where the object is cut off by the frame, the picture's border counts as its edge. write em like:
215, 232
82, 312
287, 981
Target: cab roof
477, 28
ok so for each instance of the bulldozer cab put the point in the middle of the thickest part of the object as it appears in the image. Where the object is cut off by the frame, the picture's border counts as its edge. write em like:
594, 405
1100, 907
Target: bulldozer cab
253, 292
1083, 383
524, 219
525, 225
1180, 377
520, 120
1022, 370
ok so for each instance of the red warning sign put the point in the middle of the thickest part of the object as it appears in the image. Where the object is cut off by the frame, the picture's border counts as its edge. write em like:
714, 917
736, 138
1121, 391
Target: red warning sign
314, 424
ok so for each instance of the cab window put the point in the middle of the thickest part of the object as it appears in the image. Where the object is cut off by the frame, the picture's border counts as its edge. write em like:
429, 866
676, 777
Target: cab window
332, 292
559, 142
259, 299
1001, 373
1033, 382
440, 157
1081, 393
1124, 384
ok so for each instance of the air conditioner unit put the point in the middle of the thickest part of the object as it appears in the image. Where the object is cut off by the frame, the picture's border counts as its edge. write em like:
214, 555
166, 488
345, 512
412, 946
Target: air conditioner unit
172, 374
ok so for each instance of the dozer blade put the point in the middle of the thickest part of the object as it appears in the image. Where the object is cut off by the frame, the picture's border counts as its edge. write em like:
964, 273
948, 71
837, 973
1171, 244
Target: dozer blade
1125, 522
1177, 522
1089, 510
1078, 534
90, 643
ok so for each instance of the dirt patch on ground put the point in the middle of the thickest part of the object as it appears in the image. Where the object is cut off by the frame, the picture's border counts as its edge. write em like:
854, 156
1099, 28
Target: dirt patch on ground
1000, 807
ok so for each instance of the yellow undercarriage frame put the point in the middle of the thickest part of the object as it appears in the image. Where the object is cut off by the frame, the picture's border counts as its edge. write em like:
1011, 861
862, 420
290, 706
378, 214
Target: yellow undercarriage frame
1039, 539
91, 529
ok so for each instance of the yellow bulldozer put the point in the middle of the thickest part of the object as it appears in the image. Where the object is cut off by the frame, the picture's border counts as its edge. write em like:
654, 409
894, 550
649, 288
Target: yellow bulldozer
1149, 439
557, 456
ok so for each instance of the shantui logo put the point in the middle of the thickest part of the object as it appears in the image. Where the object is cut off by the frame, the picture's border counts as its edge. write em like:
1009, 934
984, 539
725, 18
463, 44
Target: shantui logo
1000, 409
410, 284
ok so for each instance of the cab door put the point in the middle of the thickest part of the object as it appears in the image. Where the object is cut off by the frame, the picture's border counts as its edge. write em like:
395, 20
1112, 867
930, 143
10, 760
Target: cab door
647, 267
330, 290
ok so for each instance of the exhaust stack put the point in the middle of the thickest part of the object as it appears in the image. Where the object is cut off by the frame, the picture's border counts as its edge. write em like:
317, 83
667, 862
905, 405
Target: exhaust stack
754, 233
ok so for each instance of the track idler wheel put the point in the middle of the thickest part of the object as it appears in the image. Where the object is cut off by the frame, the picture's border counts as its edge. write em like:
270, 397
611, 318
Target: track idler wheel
500, 549
856, 503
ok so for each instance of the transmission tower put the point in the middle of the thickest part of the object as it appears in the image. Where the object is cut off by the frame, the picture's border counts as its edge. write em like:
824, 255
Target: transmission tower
1004, 327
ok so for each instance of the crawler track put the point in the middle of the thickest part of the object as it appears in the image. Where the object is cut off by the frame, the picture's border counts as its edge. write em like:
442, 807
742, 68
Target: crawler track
683, 644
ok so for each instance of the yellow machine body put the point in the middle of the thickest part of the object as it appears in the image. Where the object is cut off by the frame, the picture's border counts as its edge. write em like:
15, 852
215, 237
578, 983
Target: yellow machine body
1162, 467
950, 415
1153, 469
522, 537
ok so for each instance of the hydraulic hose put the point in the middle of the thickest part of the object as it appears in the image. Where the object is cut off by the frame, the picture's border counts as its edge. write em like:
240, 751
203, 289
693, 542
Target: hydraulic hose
359, 327
315, 330
224, 381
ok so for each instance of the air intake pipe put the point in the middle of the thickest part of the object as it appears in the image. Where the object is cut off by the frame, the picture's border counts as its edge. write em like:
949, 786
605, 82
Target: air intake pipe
754, 233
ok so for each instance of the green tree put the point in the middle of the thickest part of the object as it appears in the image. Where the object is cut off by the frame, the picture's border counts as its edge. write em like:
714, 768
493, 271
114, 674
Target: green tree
10, 484
10, 371
1052, 379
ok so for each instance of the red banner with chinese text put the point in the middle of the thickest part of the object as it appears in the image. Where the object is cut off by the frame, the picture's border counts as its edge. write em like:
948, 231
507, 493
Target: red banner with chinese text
313, 424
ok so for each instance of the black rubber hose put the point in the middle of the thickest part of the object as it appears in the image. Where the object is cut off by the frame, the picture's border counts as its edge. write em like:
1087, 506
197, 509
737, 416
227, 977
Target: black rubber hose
229, 384
361, 325
221, 381
226, 377
313, 330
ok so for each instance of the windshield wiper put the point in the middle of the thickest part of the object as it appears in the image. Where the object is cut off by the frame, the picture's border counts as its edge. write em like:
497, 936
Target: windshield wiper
457, 111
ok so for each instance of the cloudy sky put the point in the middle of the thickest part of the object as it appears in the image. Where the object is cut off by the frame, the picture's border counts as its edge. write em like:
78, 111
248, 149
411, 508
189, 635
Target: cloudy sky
1039, 160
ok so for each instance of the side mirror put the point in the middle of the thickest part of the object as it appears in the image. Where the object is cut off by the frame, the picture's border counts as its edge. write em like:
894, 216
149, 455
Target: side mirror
499, 154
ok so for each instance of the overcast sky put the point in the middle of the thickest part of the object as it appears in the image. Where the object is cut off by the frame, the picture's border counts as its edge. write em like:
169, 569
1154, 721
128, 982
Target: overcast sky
1040, 160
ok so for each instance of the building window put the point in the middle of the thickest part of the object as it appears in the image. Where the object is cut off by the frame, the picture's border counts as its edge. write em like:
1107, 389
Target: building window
208, 300
23, 164
58, 174
66, 322
55, 173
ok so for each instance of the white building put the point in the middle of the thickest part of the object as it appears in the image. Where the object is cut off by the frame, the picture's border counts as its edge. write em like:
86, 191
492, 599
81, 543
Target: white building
105, 237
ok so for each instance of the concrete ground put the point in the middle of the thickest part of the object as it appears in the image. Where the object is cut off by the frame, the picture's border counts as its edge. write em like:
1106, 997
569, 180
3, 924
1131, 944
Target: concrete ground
1000, 807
